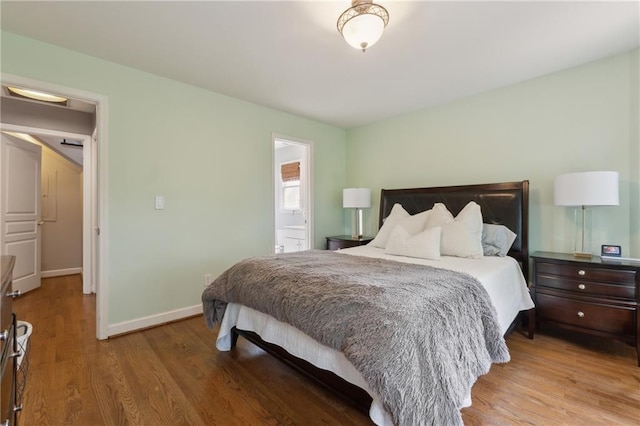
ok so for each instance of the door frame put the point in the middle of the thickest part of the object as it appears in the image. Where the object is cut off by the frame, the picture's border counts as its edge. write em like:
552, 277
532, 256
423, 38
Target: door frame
96, 179
307, 187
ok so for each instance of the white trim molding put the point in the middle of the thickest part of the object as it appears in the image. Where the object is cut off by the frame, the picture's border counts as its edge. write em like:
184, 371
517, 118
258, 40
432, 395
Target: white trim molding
60, 272
154, 320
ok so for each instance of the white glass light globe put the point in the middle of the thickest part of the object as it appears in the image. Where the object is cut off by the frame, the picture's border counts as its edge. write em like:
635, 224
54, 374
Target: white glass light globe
363, 31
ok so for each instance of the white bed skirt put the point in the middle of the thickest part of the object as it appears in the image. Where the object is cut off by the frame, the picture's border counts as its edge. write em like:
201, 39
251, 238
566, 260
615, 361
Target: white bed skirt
302, 346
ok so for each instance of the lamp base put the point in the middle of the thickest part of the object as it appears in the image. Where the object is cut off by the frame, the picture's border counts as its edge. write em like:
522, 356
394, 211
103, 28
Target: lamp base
357, 228
583, 240
582, 255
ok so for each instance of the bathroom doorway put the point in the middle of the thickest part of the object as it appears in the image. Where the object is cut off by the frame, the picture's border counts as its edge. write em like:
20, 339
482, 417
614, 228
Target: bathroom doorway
292, 190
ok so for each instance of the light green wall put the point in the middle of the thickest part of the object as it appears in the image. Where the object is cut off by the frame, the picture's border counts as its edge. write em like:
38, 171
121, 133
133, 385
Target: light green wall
581, 119
208, 154
634, 151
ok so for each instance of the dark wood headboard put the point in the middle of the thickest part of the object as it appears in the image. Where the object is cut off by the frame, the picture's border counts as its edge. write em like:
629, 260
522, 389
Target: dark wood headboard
501, 203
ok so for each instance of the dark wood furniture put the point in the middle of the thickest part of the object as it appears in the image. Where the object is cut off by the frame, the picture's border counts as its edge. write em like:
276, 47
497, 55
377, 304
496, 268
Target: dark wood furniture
345, 241
588, 295
501, 203
8, 344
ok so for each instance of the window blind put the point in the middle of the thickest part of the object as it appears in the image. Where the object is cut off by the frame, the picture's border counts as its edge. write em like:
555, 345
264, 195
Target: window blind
290, 171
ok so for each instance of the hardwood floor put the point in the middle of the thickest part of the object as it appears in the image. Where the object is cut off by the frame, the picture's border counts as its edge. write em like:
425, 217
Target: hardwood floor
174, 375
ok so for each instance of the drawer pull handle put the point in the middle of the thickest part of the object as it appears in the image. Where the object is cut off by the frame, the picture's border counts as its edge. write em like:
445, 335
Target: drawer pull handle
582, 272
581, 314
4, 335
582, 286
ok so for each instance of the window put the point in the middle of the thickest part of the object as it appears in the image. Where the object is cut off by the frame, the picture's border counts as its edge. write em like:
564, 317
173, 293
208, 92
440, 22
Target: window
291, 195
290, 174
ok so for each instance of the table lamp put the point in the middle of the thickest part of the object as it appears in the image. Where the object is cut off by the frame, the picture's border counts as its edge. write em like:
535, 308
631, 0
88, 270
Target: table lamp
358, 199
586, 189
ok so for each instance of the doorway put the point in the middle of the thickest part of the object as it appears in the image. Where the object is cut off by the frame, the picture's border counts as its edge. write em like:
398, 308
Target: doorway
61, 216
94, 189
292, 194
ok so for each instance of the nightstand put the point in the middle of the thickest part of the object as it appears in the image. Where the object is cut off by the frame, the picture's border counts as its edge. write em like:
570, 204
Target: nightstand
345, 241
588, 295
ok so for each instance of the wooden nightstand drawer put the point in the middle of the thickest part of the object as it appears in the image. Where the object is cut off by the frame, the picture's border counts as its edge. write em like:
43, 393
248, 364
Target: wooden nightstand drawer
345, 241
337, 245
588, 295
594, 316
587, 287
588, 273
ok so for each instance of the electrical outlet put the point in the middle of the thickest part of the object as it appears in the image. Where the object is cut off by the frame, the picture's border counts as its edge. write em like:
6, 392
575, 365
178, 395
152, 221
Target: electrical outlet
208, 279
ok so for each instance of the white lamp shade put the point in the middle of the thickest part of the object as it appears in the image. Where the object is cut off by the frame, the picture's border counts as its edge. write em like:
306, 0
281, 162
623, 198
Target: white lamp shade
363, 31
586, 189
356, 198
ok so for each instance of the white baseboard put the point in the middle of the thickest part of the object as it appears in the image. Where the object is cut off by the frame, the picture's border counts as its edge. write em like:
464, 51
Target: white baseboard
153, 320
60, 272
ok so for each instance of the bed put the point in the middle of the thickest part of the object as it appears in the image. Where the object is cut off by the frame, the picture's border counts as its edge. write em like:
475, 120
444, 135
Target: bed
501, 278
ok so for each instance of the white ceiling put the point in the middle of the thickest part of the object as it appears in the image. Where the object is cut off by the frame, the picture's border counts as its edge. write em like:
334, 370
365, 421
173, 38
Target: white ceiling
289, 55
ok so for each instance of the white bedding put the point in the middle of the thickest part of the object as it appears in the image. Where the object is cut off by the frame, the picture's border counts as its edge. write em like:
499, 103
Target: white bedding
501, 277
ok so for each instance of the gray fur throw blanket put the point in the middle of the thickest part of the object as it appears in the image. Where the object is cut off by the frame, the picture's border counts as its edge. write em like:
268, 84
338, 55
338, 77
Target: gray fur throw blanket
420, 336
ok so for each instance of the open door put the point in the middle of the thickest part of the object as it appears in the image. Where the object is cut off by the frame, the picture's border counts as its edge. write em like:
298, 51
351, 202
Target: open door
20, 209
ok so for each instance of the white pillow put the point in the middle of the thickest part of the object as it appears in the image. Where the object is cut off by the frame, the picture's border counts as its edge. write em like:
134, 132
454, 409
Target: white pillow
415, 223
496, 239
439, 216
424, 245
398, 213
462, 236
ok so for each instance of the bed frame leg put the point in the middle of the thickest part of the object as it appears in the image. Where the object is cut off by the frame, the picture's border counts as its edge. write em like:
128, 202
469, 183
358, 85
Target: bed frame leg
531, 320
234, 337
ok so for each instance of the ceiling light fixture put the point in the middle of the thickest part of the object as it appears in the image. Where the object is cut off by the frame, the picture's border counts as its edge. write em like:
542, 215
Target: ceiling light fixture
363, 23
37, 95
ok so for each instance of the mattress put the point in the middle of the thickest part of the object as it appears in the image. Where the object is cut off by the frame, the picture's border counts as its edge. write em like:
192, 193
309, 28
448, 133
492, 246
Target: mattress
500, 276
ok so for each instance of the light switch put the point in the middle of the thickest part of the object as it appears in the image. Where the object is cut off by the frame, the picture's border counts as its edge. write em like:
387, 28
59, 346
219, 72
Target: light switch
159, 202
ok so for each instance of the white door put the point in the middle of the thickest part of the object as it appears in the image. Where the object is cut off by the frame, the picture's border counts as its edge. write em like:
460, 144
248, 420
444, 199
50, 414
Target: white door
20, 209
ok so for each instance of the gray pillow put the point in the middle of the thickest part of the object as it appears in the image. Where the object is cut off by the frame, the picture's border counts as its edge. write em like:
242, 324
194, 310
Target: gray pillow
496, 239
